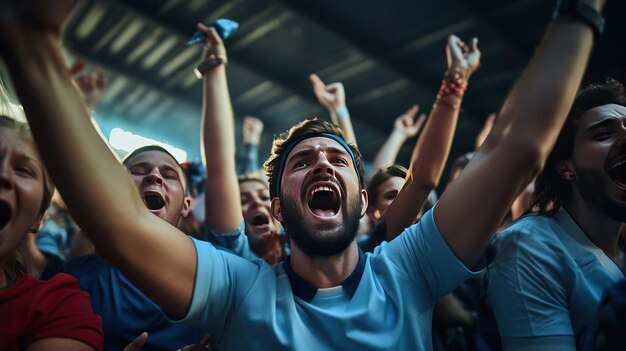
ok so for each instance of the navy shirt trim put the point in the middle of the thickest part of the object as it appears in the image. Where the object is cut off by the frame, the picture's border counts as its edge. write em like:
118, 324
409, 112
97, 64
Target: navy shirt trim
306, 291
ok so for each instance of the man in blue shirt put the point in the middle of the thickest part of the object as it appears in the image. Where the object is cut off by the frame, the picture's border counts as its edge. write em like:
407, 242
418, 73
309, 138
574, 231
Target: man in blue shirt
552, 266
126, 312
316, 296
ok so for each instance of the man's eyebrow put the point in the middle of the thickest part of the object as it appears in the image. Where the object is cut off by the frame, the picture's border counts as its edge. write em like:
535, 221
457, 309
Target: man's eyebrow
301, 153
604, 123
336, 150
169, 167
139, 164
308, 152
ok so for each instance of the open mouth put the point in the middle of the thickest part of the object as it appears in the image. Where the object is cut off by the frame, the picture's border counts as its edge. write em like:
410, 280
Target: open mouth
259, 220
324, 201
5, 214
617, 172
154, 201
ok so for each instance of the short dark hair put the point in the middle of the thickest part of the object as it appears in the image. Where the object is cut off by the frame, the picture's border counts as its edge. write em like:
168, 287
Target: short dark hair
550, 189
308, 128
380, 177
147, 148
246, 178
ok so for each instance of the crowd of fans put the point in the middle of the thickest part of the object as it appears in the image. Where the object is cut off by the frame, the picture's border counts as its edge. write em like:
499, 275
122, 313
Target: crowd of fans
523, 250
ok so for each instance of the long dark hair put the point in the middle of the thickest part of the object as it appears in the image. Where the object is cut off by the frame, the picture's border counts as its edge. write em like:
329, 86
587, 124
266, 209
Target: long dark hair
550, 189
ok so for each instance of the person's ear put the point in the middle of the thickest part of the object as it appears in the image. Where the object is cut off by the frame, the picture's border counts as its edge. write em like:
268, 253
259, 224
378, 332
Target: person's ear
364, 201
38, 222
184, 212
566, 170
276, 210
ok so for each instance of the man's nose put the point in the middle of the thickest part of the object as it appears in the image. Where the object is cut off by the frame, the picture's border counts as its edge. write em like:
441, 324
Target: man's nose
324, 167
153, 178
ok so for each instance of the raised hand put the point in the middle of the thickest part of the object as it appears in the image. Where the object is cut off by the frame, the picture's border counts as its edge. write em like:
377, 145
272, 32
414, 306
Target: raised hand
252, 130
92, 86
21, 18
214, 50
331, 96
463, 58
407, 125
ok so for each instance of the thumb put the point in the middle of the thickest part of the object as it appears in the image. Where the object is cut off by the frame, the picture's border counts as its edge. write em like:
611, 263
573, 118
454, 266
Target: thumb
138, 343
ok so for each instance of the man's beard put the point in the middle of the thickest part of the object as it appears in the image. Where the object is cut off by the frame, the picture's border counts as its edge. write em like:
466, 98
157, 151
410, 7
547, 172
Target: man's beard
595, 191
325, 242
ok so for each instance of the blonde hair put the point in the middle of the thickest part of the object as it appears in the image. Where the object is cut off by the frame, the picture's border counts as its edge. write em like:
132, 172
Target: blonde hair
12, 117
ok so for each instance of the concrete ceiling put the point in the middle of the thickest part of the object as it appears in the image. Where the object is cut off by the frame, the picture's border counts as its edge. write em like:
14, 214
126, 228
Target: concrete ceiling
389, 54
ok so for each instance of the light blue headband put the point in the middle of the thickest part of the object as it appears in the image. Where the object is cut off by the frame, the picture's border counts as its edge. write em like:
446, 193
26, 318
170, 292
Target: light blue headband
283, 159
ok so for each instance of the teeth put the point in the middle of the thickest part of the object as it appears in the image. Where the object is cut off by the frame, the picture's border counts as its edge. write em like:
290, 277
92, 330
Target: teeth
321, 188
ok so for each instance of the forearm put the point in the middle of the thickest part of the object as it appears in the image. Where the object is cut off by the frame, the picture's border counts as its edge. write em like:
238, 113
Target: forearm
223, 205
345, 123
538, 103
98, 190
67, 140
519, 143
388, 153
431, 151
427, 163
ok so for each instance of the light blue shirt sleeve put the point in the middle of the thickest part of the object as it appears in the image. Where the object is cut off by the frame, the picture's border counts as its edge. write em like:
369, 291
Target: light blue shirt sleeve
423, 254
235, 242
527, 291
222, 281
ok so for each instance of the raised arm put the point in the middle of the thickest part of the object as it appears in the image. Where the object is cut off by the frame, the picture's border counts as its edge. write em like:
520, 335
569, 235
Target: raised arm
431, 151
248, 162
484, 132
406, 126
92, 85
154, 255
525, 131
333, 97
223, 203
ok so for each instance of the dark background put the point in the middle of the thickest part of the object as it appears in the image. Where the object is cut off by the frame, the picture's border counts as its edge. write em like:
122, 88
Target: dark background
389, 55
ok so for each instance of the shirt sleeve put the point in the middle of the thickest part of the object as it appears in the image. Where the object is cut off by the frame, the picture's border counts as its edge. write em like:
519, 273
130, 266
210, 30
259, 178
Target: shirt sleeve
527, 290
235, 242
424, 255
64, 311
222, 280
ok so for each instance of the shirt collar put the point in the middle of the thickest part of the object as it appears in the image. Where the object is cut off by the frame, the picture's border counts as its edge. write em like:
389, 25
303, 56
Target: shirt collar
571, 228
306, 291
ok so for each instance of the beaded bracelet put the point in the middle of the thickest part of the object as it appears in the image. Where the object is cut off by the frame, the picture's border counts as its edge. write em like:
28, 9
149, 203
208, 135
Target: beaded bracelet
452, 84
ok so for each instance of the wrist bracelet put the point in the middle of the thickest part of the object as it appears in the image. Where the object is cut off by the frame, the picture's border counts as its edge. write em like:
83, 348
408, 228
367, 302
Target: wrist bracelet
452, 84
342, 113
583, 11
208, 64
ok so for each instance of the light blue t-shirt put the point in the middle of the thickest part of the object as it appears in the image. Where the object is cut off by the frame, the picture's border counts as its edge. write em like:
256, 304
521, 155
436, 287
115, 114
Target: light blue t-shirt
247, 305
236, 242
546, 282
